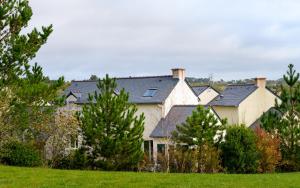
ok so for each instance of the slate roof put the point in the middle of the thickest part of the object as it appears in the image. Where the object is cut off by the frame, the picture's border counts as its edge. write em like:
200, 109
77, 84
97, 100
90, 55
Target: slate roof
176, 116
135, 86
199, 89
233, 95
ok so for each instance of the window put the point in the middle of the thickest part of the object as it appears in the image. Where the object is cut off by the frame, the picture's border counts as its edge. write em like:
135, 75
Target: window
150, 92
148, 148
161, 148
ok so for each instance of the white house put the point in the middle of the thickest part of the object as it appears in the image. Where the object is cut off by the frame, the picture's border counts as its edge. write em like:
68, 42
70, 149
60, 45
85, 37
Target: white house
167, 101
155, 96
244, 103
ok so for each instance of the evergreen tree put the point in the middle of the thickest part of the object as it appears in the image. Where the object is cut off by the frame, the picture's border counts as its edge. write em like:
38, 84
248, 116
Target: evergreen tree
285, 121
16, 48
201, 130
111, 128
34, 107
31, 98
239, 154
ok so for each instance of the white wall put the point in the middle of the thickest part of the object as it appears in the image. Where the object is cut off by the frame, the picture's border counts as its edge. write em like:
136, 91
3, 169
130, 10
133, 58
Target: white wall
228, 112
182, 94
207, 96
255, 105
71, 99
153, 114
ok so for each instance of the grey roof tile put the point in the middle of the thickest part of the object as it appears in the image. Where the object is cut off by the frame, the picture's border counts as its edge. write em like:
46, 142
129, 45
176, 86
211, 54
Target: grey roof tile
199, 89
233, 95
176, 116
135, 86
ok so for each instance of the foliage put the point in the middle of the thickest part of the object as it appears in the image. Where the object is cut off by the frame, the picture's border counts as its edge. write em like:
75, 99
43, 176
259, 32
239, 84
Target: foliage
94, 78
32, 98
16, 48
268, 147
5, 129
112, 129
76, 159
65, 128
32, 111
19, 154
286, 122
182, 160
239, 152
146, 164
211, 162
200, 131
185, 160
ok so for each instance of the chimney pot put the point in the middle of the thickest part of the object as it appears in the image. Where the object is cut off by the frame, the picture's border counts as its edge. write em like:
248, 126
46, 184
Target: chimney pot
178, 73
260, 82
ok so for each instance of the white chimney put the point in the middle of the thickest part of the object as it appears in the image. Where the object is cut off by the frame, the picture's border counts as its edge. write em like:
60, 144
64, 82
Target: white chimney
260, 82
178, 73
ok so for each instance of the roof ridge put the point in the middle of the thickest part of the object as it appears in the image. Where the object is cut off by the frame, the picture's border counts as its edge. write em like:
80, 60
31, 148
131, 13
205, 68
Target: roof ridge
138, 77
130, 77
186, 105
249, 84
83, 81
202, 86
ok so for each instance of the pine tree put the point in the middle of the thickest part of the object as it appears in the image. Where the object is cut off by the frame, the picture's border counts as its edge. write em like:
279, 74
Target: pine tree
16, 48
199, 131
34, 107
285, 121
29, 92
111, 128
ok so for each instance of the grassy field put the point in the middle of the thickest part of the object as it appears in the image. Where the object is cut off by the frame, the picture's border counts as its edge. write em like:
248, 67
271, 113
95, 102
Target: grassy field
39, 177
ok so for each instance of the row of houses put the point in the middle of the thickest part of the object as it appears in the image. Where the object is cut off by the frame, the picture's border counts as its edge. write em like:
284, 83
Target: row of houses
167, 101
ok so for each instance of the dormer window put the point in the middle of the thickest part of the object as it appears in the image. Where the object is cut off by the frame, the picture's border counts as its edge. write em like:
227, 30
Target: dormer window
150, 92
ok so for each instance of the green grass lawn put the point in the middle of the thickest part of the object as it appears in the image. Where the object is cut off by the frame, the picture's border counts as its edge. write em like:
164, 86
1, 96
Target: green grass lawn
40, 177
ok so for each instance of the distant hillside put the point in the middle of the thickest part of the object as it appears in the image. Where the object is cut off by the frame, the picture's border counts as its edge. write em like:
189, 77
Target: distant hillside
220, 85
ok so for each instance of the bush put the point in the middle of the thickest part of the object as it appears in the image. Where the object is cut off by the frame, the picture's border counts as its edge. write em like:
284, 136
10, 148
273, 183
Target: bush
239, 154
268, 146
77, 159
19, 154
210, 160
182, 160
146, 165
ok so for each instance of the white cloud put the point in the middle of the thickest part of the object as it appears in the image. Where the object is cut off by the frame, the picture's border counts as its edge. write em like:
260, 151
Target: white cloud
232, 38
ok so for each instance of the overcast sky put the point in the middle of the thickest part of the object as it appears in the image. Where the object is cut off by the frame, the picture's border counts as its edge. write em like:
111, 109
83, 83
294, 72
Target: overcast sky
230, 39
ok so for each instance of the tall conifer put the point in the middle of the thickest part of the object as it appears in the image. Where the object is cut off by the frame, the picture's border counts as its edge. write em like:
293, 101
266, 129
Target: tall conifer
111, 128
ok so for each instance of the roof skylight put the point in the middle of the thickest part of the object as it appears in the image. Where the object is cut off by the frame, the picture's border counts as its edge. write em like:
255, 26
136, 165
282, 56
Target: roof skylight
150, 92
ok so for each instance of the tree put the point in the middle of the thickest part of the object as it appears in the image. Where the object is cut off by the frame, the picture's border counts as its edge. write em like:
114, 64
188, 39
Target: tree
32, 99
285, 121
268, 147
239, 154
94, 78
32, 111
201, 131
63, 132
17, 49
111, 128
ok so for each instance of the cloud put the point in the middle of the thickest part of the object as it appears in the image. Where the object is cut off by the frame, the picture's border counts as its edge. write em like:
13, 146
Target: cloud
231, 39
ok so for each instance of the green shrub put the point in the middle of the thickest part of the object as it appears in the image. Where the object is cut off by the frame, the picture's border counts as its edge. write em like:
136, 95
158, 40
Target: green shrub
19, 154
239, 153
183, 159
77, 159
